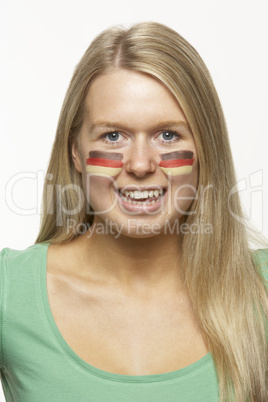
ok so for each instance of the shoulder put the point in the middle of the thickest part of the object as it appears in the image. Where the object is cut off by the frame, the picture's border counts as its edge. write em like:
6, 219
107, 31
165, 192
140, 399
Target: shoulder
11, 259
260, 258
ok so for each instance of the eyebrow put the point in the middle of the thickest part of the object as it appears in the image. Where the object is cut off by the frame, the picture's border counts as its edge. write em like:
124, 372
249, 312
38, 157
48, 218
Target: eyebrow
158, 125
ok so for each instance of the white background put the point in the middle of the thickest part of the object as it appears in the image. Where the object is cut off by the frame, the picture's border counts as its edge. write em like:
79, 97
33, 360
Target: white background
42, 41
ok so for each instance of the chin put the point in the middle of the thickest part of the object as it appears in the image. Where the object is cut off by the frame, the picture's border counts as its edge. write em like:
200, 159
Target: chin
135, 235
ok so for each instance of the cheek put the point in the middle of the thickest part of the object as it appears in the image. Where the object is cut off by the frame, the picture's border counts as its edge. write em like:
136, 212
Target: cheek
104, 163
183, 190
99, 191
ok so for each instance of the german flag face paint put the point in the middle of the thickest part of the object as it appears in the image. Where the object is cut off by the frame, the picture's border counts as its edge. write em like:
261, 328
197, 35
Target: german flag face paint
104, 163
177, 163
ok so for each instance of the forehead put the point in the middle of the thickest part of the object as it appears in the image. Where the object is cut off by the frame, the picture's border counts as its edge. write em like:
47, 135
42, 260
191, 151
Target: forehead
131, 96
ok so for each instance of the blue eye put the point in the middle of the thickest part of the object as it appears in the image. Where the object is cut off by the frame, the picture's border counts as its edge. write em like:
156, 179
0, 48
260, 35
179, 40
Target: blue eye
168, 135
113, 136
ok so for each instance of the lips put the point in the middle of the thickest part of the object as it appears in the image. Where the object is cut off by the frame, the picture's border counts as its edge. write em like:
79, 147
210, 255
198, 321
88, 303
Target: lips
147, 195
141, 201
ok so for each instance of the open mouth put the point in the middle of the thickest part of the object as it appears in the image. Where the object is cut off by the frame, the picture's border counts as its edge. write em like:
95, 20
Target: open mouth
145, 197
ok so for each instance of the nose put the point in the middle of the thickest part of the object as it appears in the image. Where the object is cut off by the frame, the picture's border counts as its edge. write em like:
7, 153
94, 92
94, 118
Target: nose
140, 159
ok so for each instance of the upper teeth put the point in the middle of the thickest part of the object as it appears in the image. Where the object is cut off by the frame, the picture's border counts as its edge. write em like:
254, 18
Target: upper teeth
142, 194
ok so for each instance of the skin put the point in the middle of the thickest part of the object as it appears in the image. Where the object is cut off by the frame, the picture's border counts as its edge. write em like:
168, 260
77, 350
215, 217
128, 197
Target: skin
132, 283
142, 108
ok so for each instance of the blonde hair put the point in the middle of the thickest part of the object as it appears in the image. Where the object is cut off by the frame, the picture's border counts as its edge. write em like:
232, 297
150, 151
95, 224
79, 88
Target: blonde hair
226, 289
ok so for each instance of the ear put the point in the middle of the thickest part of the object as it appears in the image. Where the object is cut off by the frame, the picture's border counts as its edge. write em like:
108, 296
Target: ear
76, 157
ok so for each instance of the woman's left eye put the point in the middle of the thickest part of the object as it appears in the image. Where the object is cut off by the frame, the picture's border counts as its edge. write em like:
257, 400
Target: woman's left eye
169, 136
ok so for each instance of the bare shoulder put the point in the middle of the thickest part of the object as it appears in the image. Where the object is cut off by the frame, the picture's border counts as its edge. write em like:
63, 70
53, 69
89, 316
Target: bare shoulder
60, 257
67, 278
61, 275
56, 252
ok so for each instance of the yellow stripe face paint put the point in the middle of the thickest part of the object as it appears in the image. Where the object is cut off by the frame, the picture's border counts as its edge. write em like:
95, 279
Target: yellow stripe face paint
104, 163
177, 163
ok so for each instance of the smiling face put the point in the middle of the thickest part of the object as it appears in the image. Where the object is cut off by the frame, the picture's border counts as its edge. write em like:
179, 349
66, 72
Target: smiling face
136, 153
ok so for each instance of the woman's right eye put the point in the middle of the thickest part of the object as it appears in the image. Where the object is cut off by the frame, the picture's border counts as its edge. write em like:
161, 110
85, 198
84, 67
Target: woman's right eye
112, 137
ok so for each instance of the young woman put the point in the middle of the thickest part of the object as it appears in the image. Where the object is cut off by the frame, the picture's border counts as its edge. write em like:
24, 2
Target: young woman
141, 285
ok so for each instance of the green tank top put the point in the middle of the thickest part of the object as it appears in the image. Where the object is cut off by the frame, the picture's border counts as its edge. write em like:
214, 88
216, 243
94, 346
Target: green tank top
37, 364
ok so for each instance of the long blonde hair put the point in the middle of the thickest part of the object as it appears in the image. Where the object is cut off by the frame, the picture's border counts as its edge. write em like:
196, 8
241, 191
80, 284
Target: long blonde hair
227, 291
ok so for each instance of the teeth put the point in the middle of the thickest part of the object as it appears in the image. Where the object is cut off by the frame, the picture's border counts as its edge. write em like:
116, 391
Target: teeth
136, 194
145, 194
132, 197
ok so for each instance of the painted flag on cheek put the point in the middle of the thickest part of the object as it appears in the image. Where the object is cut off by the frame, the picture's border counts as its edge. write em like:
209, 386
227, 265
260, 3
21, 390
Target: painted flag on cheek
104, 163
177, 163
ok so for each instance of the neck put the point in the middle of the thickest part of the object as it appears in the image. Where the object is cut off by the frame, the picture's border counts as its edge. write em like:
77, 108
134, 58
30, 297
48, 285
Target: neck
134, 263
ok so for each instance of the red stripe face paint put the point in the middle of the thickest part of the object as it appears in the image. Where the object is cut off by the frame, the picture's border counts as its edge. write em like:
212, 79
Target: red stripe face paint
177, 163
104, 163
